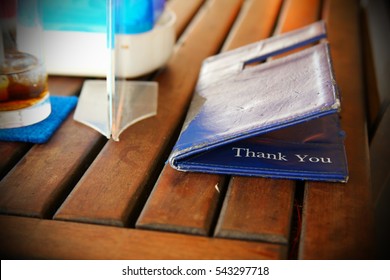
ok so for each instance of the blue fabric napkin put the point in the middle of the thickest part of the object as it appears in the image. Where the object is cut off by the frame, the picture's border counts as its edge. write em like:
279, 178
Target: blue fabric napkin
41, 132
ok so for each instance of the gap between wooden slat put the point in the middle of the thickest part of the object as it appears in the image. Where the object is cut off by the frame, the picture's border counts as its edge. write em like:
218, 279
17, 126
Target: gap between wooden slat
27, 191
184, 11
183, 202
12, 152
27, 238
157, 213
109, 191
338, 218
47, 172
262, 209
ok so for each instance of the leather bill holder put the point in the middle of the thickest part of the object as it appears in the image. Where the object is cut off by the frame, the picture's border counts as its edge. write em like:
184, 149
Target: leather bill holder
258, 116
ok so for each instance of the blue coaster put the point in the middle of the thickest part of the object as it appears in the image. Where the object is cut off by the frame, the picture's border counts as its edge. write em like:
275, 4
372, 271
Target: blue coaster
41, 132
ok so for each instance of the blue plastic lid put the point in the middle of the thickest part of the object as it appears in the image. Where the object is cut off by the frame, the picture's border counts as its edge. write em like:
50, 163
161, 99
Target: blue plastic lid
70, 15
132, 16
159, 6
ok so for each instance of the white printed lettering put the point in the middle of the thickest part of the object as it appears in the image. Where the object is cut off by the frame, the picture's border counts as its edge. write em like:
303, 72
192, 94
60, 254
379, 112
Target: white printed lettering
301, 158
313, 159
238, 151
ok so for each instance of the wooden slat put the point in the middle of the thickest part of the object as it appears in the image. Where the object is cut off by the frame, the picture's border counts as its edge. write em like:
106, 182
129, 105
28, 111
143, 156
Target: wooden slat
182, 202
298, 13
60, 85
111, 189
67, 153
379, 158
184, 11
261, 209
12, 152
24, 191
257, 209
380, 178
47, 172
337, 218
257, 20
46, 239
372, 93
197, 191
378, 22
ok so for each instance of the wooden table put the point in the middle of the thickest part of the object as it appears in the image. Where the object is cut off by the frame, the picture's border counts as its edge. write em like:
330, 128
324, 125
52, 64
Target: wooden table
82, 197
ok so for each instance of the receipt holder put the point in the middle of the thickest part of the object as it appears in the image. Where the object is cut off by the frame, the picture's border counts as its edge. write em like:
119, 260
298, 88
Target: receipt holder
113, 105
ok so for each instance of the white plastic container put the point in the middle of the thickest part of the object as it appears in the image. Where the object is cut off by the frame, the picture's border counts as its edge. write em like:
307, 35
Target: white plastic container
75, 53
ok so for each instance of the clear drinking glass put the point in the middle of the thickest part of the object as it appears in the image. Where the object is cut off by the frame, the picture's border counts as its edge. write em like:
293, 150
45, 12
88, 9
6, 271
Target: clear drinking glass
24, 95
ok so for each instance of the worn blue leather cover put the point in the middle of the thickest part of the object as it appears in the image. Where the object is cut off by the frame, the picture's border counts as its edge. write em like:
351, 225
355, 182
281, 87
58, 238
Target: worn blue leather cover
277, 118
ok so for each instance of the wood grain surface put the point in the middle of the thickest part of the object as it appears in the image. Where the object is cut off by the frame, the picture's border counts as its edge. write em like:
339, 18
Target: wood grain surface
262, 209
81, 196
122, 174
337, 220
48, 239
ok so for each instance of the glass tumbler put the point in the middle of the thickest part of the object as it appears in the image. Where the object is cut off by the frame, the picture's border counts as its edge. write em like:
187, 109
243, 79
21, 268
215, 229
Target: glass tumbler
24, 95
